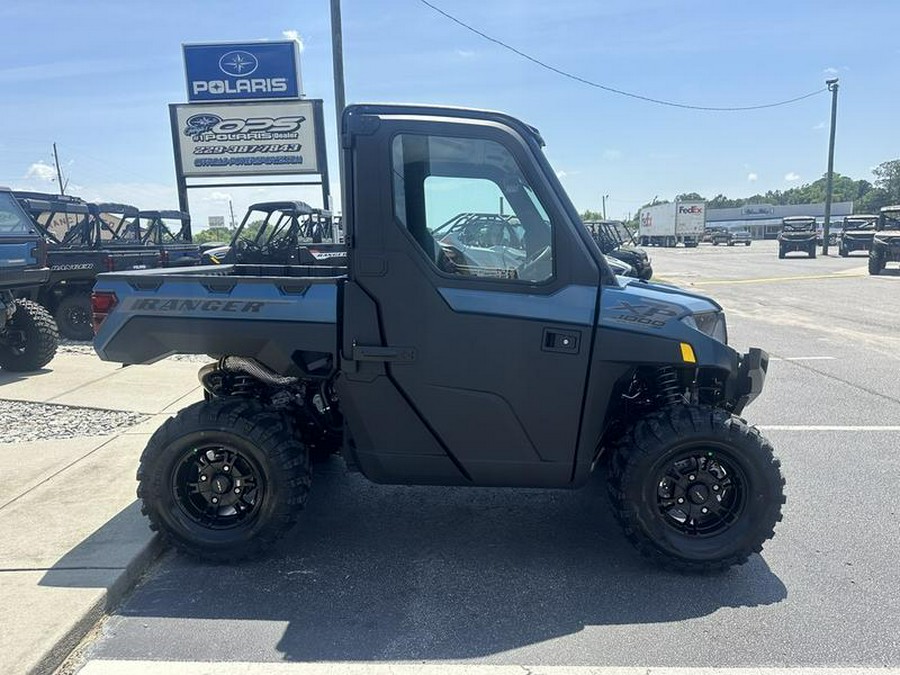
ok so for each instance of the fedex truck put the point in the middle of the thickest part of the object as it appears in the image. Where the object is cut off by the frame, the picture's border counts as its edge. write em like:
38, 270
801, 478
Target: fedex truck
672, 223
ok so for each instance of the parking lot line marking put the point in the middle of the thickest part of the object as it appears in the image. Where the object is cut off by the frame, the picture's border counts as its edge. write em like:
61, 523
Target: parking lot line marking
110, 667
766, 280
802, 358
827, 427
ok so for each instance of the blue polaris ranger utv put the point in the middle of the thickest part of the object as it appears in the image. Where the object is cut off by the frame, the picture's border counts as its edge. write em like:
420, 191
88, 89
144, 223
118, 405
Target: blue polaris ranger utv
28, 334
425, 360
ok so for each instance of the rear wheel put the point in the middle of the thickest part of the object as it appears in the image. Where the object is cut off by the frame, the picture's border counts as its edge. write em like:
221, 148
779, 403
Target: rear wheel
812, 251
781, 253
696, 489
224, 479
73, 316
746, 243
31, 338
843, 252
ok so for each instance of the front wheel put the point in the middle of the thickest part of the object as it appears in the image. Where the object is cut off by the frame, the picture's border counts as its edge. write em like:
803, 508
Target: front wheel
696, 489
224, 479
876, 264
30, 339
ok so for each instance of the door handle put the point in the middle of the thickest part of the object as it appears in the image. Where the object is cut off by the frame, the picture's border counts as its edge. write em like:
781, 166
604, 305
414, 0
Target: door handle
564, 342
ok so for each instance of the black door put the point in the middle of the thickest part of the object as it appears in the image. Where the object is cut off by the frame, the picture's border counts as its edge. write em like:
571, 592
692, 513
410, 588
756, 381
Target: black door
471, 309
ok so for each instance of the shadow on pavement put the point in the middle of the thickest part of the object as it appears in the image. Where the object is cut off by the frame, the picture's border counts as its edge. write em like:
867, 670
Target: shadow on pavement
396, 573
9, 376
95, 562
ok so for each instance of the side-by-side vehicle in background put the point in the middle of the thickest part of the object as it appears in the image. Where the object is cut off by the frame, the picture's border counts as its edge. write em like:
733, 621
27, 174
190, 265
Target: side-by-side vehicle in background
886, 240
798, 233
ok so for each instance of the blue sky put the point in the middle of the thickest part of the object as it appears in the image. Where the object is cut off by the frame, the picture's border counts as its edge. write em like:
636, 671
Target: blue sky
96, 76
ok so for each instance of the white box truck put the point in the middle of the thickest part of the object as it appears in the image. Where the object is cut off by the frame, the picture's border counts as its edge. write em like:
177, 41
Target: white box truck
672, 223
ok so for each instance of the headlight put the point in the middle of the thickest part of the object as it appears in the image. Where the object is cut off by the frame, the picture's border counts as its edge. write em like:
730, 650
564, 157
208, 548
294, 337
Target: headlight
709, 323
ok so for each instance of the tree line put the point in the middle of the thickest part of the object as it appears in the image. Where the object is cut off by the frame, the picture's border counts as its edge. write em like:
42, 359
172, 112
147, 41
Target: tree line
867, 197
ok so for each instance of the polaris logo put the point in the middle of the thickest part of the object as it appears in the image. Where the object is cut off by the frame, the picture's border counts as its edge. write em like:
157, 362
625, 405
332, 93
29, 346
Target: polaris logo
256, 85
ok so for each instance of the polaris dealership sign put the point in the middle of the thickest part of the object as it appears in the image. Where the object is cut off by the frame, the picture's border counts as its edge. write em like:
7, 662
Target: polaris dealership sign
245, 139
243, 71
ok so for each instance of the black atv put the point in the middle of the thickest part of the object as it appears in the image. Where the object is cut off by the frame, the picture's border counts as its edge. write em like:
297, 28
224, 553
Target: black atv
886, 242
170, 233
856, 234
616, 241
798, 233
28, 334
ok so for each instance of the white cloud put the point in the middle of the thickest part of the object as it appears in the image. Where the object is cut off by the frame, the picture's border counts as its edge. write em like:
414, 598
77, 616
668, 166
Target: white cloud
216, 196
752, 177
612, 154
465, 53
791, 177
561, 174
41, 171
820, 126
294, 35
830, 71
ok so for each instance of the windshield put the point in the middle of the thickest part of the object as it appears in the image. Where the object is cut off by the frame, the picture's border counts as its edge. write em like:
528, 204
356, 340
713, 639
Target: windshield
859, 224
890, 220
13, 219
799, 226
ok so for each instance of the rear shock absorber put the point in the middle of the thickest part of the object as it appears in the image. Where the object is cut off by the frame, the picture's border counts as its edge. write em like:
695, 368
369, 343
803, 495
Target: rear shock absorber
667, 383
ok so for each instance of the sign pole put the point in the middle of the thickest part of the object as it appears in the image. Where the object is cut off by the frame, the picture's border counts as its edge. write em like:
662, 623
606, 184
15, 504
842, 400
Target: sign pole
180, 180
337, 59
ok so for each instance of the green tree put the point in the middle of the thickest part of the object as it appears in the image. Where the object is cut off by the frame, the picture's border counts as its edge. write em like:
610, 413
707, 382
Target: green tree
690, 197
212, 234
887, 178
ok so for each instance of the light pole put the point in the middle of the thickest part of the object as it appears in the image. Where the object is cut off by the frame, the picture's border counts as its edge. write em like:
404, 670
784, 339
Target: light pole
829, 180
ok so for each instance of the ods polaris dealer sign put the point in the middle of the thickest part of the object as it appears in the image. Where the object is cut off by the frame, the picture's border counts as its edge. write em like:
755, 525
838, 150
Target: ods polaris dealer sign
243, 71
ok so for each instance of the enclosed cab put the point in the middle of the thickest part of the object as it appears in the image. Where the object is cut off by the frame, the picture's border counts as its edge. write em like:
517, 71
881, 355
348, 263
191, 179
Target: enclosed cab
886, 240
798, 233
424, 361
28, 335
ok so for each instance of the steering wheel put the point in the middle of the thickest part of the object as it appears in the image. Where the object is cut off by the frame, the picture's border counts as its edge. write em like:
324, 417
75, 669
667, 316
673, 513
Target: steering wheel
450, 258
539, 266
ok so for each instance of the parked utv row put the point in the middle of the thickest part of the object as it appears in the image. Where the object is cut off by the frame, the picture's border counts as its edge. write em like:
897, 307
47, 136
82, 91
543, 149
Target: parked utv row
82, 240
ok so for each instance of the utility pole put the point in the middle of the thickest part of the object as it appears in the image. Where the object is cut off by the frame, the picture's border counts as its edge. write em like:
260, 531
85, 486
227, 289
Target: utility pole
62, 186
501, 206
605, 197
829, 181
231, 209
337, 60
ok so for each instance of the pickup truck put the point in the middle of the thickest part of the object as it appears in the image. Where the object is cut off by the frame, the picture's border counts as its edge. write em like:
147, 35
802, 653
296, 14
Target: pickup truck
420, 365
76, 254
730, 238
28, 335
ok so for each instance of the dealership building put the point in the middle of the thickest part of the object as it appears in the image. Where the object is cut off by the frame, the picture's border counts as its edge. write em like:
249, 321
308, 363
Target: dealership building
763, 221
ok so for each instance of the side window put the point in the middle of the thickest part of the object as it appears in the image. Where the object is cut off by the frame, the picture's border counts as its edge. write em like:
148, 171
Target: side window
469, 207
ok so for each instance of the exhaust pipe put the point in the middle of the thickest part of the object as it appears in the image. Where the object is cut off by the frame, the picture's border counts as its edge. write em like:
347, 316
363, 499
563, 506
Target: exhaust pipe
248, 366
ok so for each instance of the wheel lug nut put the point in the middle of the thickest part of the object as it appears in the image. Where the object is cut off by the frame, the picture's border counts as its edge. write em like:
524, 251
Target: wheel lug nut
716, 488
681, 500
237, 491
692, 477
202, 479
704, 510
226, 468
215, 500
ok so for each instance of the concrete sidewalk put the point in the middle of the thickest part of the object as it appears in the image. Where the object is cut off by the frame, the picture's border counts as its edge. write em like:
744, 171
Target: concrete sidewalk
73, 537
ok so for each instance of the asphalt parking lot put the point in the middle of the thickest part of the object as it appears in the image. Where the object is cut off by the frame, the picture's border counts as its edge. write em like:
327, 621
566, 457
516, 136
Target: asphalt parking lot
379, 574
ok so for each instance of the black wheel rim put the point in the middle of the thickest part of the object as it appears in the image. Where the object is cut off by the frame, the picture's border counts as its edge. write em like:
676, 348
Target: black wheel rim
78, 318
700, 492
218, 487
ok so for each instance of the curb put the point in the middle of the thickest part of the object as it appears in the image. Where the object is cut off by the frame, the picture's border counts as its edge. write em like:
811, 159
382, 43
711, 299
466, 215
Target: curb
128, 578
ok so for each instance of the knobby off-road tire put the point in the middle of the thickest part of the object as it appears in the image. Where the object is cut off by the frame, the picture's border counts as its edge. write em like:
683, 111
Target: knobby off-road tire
41, 338
669, 455
224, 479
876, 264
780, 253
812, 252
73, 316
